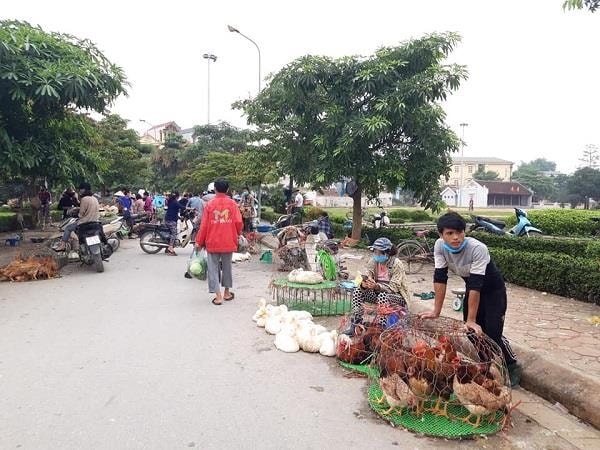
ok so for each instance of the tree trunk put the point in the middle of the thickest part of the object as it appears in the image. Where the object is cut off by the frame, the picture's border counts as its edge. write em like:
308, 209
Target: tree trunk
357, 214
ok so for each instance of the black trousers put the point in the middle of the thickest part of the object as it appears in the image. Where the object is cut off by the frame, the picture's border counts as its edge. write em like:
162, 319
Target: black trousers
490, 317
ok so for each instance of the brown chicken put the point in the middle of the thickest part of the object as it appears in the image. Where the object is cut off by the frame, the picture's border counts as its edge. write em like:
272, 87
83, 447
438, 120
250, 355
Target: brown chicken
443, 375
350, 350
420, 386
396, 393
479, 399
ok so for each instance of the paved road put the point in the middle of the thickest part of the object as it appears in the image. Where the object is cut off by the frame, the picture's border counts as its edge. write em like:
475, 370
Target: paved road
138, 357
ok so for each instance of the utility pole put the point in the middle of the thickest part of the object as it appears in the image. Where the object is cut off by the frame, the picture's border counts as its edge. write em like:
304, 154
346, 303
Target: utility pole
462, 160
209, 57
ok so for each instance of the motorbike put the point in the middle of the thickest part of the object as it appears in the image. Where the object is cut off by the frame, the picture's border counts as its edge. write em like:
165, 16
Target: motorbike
92, 246
522, 228
109, 229
155, 237
380, 220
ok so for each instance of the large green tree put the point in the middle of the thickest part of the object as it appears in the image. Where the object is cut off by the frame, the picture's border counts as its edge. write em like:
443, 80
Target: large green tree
592, 5
530, 175
46, 81
124, 163
585, 184
376, 120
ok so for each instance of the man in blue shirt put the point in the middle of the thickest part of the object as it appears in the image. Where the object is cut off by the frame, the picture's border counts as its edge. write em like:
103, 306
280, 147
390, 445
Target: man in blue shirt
126, 204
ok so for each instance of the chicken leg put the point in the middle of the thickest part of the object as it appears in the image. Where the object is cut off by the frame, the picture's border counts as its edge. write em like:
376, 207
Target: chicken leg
468, 420
439, 411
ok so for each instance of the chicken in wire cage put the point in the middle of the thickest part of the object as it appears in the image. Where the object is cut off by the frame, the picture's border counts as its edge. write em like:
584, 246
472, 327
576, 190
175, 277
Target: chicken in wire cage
434, 377
366, 337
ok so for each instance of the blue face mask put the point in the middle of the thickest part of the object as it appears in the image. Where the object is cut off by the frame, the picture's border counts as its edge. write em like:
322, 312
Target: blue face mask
455, 249
380, 258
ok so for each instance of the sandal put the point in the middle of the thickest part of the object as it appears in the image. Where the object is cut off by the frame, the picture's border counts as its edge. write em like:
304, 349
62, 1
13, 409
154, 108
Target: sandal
215, 303
230, 298
170, 253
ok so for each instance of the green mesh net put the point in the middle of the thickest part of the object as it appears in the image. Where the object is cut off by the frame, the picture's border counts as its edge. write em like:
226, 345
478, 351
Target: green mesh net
431, 424
322, 299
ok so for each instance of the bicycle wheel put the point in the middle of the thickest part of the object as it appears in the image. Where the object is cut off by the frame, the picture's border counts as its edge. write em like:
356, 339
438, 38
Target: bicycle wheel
413, 255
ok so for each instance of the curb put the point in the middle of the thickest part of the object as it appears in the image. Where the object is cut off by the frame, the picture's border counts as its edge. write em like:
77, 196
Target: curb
576, 391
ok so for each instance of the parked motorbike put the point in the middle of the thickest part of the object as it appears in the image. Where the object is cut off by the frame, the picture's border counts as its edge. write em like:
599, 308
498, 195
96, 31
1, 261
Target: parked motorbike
109, 229
92, 246
155, 237
522, 228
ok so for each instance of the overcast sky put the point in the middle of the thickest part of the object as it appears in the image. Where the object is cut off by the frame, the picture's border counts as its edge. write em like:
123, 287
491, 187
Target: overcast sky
532, 90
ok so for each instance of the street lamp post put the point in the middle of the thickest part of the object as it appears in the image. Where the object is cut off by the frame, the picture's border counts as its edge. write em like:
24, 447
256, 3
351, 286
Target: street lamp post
235, 30
209, 57
462, 159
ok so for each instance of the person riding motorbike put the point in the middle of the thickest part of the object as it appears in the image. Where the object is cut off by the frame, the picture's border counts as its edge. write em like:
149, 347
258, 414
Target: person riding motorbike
89, 211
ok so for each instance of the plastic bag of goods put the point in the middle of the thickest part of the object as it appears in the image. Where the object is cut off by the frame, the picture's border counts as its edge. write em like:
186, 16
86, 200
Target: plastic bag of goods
198, 265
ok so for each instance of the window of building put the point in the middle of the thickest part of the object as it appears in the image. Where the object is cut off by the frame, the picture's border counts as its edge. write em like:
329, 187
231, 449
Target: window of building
456, 169
470, 169
481, 167
455, 182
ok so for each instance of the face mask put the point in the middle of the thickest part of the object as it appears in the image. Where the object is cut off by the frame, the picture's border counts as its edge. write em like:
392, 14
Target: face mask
380, 258
455, 249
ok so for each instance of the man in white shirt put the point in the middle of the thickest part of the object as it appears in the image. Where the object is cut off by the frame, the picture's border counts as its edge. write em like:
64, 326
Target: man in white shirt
298, 212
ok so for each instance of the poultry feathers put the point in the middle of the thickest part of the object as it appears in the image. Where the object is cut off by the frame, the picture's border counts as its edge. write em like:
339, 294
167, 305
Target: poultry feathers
350, 350
444, 373
479, 400
420, 386
396, 393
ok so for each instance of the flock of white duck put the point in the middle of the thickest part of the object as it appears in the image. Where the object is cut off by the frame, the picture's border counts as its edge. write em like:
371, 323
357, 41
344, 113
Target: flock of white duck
295, 330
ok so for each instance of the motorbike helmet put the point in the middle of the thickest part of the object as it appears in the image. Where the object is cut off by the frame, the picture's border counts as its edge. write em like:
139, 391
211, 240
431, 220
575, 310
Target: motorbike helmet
211, 187
85, 186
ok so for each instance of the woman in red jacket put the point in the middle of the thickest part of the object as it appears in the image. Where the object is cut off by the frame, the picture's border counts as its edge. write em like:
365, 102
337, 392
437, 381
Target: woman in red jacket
219, 231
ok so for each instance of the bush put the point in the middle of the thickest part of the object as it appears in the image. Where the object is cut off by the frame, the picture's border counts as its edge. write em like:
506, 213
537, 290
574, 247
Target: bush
560, 222
551, 272
312, 212
571, 247
409, 215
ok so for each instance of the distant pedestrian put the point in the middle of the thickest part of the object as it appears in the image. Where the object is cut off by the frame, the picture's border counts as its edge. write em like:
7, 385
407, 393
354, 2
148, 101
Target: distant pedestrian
67, 201
298, 211
171, 218
138, 205
471, 205
219, 232
325, 225
148, 204
247, 208
126, 207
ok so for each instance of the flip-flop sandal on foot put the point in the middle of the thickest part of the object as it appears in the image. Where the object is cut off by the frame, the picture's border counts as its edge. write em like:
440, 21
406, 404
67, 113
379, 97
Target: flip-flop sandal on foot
230, 298
215, 303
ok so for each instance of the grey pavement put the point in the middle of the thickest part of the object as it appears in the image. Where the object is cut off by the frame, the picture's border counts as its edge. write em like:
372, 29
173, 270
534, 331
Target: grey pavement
138, 358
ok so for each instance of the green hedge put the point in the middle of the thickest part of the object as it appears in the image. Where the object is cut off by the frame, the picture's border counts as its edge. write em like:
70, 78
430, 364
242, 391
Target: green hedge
561, 222
571, 247
409, 215
551, 272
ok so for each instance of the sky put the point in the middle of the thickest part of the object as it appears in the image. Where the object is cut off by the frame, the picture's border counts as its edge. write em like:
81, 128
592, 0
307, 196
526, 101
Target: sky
533, 67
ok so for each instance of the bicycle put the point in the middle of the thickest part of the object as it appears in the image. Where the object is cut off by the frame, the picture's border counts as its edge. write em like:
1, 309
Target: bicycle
414, 253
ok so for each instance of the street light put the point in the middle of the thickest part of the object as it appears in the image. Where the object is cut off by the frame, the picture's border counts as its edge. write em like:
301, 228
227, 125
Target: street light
235, 30
462, 158
209, 57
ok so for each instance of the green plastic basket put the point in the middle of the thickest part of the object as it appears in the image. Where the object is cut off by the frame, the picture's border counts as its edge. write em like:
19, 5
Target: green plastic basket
322, 299
431, 424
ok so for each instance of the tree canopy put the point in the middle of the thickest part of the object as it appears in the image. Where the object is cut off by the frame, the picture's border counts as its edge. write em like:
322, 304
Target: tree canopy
489, 175
530, 174
375, 120
45, 79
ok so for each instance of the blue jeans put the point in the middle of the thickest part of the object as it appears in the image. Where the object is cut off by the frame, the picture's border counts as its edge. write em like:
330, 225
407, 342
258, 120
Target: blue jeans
68, 230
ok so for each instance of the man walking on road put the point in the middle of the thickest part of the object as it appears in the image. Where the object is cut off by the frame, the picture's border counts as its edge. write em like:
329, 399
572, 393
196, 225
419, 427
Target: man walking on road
219, 231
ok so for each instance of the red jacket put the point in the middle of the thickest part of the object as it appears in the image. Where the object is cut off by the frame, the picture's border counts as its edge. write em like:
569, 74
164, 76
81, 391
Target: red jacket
221, 225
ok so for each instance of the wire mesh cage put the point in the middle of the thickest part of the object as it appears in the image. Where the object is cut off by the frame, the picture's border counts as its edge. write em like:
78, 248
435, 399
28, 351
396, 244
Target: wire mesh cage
356, 351
434, 377
321, 299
